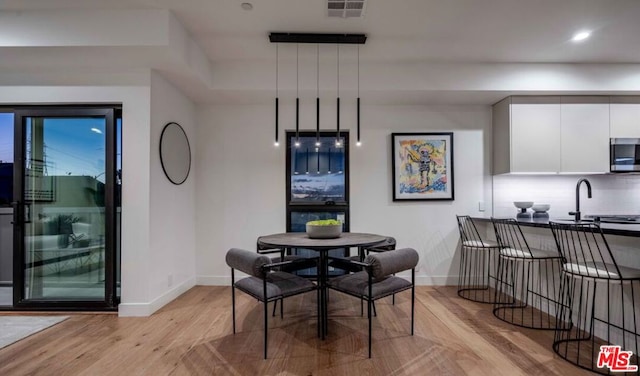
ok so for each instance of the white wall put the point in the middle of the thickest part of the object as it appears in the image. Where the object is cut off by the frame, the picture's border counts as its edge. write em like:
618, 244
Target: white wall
241, 180
135, 160
612, 194
154, 243
172, 207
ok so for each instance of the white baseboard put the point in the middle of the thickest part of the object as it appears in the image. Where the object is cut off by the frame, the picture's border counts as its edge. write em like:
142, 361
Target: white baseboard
211, 280
440, 280
147, 309
437, 280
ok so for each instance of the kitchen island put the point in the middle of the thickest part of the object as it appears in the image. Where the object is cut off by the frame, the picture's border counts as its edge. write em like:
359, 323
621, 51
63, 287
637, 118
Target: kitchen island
621, 229
624, 241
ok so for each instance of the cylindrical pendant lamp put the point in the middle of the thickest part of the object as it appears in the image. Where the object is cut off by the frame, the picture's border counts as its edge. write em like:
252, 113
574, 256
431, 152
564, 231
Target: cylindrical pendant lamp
297, 142
276, 143
338, 95
318, 96
358, 143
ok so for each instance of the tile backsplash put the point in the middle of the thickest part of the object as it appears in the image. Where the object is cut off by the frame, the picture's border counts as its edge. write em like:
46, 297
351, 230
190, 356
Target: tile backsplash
612, 194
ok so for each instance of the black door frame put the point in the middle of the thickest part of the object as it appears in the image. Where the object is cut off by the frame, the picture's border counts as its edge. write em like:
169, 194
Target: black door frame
342, 206
20, 113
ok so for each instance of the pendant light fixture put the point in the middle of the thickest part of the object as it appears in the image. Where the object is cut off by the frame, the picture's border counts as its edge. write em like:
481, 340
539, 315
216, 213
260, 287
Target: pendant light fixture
358, 143
297, 143
338, 95
336, 39
276, 143
318, 97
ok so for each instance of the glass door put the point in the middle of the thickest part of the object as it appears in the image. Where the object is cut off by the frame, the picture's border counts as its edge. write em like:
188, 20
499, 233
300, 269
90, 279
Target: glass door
6, 210
64, 208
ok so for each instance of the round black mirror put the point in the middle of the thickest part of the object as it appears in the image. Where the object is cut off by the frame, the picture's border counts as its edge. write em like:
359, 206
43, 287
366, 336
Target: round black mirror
175, 153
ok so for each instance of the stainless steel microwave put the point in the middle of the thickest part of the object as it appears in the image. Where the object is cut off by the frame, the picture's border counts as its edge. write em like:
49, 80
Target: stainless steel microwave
625, 154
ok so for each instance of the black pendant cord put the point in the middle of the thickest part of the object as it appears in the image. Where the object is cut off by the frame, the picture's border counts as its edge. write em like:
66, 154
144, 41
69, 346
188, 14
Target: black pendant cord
277, 99
358, 104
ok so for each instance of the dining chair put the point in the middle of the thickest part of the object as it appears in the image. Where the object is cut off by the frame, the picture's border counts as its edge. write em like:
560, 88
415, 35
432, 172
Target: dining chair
300, 263
377, 280
528, 279
342, 262
389, 244
598, 295
478, 263
264, 282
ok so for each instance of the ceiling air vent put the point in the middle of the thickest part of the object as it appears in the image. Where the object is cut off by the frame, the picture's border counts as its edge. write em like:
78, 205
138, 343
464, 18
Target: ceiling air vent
345, 8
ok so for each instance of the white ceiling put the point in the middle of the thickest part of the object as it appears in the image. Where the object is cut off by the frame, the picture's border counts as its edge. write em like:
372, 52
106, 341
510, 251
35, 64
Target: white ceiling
401, 34
407, 30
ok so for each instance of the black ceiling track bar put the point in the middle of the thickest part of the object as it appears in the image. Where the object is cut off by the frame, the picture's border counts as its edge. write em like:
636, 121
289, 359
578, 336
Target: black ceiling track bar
317, 38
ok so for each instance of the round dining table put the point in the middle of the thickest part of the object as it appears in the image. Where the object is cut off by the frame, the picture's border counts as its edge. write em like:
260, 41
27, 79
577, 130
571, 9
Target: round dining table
322, 246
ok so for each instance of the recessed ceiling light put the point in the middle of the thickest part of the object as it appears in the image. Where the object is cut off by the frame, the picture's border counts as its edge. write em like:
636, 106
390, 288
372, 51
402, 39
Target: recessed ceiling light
246, 6
581, 36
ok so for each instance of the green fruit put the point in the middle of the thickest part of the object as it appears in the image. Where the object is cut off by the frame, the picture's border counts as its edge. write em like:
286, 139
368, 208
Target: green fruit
325, 222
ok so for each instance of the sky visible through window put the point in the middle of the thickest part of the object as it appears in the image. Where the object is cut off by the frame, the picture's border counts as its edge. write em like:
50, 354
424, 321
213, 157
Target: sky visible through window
6, 137
73, 147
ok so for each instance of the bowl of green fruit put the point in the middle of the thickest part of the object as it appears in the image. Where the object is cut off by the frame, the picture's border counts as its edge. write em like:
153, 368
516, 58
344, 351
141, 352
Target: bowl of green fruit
324, 229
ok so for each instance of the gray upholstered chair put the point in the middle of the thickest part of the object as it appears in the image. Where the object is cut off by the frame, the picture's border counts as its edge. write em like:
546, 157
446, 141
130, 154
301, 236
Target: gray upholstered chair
389, 244
264, 282
343, 262
300, 263
377, 279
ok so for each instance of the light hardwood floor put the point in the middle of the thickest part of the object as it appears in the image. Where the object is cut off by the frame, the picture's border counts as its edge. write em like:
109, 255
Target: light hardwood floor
192, 336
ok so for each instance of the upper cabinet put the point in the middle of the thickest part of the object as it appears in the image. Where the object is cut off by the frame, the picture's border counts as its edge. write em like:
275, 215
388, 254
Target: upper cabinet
551, 134
584, 136
625, 117
535, 135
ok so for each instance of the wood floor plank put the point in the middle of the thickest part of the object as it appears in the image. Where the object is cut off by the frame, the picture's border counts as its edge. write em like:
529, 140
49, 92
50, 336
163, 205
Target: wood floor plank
192, 336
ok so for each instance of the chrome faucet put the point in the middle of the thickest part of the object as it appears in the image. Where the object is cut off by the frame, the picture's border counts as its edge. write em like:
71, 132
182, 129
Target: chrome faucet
576, 213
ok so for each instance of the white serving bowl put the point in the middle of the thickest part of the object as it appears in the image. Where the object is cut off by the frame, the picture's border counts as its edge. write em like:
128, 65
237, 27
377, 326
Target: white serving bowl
541, 208
523, 204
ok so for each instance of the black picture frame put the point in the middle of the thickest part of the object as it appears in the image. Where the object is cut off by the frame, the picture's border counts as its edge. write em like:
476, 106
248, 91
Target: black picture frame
422, 166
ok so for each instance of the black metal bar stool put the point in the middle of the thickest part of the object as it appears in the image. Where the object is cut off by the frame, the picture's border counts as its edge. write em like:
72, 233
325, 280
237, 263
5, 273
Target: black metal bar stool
599, 297
478, 260
528, 285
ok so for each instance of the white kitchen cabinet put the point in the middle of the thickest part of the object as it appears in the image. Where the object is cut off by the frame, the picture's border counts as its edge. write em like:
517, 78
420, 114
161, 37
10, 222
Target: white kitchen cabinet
526, 135
625, 117
584, 136
535, 135
552, 134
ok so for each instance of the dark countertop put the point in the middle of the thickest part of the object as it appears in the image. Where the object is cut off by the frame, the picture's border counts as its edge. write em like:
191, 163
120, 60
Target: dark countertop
607, 228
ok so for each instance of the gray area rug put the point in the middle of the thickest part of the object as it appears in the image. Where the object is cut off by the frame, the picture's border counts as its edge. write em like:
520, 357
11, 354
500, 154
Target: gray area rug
15, 328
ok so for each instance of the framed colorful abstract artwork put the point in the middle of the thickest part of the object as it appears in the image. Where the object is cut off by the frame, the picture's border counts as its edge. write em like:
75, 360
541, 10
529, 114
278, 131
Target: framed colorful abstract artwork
422, 166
